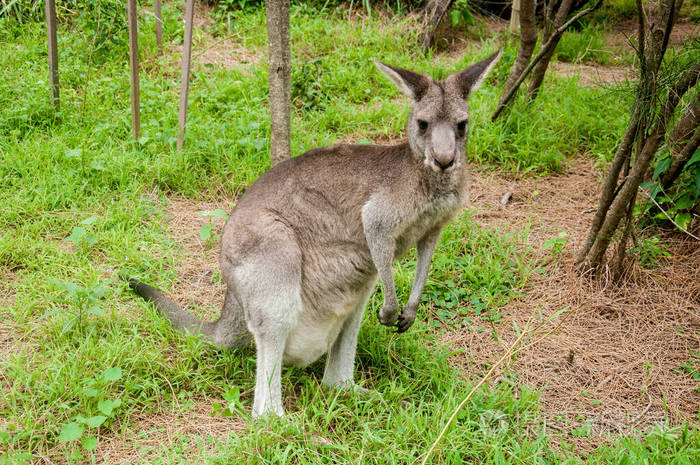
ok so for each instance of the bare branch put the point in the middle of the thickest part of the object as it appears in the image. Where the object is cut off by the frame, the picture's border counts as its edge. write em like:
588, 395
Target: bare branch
545, 49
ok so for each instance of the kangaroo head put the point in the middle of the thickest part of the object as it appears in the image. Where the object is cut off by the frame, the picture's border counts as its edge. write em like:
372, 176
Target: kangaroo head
437, 126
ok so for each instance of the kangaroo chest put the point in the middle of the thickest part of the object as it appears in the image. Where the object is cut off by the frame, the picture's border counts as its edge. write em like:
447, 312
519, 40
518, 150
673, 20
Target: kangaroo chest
431, 215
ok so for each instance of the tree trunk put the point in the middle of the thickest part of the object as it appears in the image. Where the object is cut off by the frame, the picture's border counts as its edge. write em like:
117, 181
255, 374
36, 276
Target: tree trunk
648, 127
434, 12
680, 141
528, 40
277, 15
546, 48
541, 68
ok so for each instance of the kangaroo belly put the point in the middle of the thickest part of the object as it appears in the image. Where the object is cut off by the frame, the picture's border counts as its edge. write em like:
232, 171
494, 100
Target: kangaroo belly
309, 340
316, 329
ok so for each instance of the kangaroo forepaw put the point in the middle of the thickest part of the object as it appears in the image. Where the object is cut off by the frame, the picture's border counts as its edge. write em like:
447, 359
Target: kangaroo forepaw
388, 316
406, 319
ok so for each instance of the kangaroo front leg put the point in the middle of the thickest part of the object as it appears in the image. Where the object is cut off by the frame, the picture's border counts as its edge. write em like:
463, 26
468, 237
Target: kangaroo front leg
382, 247
425, 249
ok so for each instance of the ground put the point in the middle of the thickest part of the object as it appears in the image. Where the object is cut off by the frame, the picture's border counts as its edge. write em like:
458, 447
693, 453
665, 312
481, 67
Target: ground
612, 367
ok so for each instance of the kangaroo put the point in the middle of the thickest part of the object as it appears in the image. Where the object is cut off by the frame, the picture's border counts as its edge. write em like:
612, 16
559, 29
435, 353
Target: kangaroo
303, 248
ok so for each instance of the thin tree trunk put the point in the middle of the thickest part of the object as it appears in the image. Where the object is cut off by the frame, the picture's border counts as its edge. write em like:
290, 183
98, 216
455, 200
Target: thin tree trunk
185, 73
681, 159
680, 142
134, 69
159, 26
541, 68
277, 15
609, 191
528, 40
642, 161
545, 49
52, 42
435, 10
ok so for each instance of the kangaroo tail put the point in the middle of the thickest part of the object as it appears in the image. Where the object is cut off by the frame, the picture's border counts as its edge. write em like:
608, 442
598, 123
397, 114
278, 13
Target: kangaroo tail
229, 331
177, 316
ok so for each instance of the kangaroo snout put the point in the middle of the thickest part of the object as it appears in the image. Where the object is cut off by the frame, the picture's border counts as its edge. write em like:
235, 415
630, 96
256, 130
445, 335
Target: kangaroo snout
443, 162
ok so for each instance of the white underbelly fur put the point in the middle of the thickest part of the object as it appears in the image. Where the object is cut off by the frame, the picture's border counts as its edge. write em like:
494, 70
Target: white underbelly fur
308, 341
310, 338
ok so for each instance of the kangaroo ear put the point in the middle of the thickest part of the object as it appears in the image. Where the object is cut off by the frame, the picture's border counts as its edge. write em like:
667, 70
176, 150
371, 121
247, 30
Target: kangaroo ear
470, 79
412, 84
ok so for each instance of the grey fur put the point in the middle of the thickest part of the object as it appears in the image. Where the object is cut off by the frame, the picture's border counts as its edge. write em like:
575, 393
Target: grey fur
303, 248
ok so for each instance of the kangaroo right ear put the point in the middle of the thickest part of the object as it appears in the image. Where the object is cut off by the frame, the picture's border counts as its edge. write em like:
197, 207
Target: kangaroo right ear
412, 84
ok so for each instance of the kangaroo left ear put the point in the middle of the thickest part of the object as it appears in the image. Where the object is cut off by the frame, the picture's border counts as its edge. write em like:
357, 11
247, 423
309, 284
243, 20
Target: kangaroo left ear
470, 79
412, 84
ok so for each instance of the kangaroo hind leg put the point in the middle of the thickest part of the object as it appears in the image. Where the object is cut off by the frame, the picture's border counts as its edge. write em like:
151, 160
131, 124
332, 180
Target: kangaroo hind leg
340, 363
269, 290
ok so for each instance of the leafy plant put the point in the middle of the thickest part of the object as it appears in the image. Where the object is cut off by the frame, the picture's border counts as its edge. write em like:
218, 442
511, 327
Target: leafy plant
94, 388
206, 232
556, 243
81, 236
460, 14
83, 299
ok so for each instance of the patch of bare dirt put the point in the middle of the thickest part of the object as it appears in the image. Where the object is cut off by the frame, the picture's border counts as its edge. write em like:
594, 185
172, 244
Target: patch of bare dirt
593, 74
153, 436
209, 50
622, 32
199, 288
613, 366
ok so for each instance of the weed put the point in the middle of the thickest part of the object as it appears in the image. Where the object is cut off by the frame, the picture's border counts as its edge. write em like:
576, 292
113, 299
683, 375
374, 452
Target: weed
584, 45
556, 243
206, 232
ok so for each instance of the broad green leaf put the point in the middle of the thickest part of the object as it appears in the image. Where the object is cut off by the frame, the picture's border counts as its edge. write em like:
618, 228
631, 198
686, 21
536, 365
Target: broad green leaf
94, 422
684, 202
70, 432
694, 159
89, 443
108, 405
68, 286
90, 392
683, 220
77, 234
111, 374
205, 232
89, 221
661, 166
96, 310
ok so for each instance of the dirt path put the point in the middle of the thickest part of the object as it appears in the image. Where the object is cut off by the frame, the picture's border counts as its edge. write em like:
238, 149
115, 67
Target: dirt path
615, 364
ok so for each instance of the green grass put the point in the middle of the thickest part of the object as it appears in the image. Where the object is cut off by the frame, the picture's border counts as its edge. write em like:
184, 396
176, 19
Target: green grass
584, 45
83, 343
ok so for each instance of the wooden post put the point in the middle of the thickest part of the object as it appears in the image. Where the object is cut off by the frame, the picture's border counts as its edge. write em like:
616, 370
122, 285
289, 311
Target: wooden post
134, 68
53, 49
515, 17
279, 80
159, 26
185, 85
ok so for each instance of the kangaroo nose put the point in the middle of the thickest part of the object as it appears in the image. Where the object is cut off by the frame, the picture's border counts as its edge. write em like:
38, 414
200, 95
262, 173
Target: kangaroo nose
443, 165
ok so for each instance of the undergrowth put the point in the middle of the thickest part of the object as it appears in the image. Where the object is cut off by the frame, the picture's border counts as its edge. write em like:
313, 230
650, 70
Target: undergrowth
80, 201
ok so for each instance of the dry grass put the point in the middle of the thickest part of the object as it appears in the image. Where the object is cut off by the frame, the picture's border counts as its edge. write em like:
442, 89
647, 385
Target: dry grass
198, 288
614, 363
192, 431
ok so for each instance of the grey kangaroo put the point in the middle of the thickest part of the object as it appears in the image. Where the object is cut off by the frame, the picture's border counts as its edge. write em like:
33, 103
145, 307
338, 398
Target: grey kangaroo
303, 247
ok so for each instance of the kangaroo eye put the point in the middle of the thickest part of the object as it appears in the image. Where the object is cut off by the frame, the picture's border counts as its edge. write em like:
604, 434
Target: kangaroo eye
422, 125
462, 126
